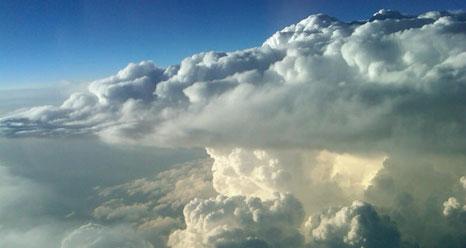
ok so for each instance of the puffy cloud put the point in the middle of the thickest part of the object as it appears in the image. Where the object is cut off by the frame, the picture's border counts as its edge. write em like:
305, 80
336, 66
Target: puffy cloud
252, 173
241, 222
98, 236
136, 81
317, 178
358, 225
453, 208
103, 105
386, 81
412, 189
454, 211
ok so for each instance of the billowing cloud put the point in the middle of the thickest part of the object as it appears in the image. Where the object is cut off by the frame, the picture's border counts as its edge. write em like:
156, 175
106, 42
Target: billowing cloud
323, 113
318, 83
317, 178
241, 222
412, 191
358, 225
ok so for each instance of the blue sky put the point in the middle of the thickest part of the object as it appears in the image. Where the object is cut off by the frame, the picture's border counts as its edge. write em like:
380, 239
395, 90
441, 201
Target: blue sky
49, 42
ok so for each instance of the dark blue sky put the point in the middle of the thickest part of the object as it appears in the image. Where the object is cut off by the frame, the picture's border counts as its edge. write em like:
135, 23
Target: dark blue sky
47, 42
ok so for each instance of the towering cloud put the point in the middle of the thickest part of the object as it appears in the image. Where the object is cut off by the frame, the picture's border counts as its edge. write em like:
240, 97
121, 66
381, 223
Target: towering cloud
322, 114
318, 83
241, 222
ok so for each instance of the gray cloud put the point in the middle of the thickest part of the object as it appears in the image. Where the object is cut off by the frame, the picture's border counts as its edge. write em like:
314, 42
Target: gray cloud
153, 206
358, 225
25, 221
98, 236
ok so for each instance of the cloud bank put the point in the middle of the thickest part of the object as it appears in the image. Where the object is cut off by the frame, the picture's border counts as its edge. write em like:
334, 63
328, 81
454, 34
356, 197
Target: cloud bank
318, 83
358, 127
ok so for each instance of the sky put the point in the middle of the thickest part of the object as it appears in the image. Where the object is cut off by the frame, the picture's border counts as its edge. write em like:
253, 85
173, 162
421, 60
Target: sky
44, 43
232, 124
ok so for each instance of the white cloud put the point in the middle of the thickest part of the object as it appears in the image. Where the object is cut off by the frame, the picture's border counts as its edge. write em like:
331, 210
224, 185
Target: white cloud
352, 84
317, 178
452, 206
250, 173
241, 222
455, 208
325, 110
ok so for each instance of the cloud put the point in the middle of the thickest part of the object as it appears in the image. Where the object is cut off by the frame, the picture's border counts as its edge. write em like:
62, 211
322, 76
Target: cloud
412, 189
358, 225
453, 208
98, 236
319, 179
153, 206
390, 80
324, 110
170, 189
241, 222
101, 106
25, 219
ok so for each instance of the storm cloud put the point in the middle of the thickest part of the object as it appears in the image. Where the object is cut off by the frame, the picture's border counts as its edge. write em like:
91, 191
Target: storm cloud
319, 83
329, 134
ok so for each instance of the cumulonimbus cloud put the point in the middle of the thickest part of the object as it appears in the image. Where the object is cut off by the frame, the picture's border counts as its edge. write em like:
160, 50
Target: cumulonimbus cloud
319, 83
324, 110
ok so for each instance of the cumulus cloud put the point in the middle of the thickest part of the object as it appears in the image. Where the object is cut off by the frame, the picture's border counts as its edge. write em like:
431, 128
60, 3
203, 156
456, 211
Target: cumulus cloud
324, 110
453, 207
358, 225
392, 79
412, 191
241, 222
319, 179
